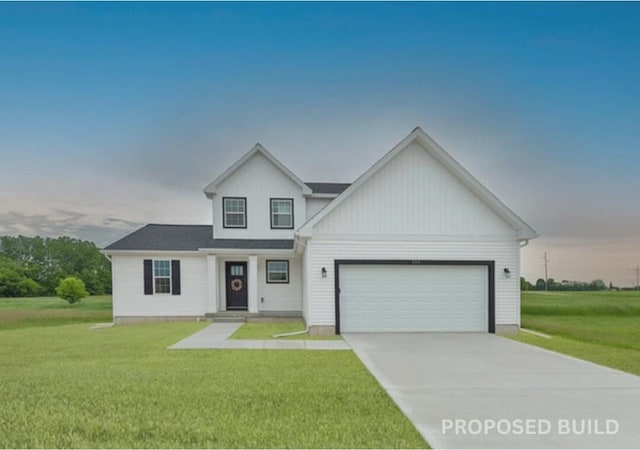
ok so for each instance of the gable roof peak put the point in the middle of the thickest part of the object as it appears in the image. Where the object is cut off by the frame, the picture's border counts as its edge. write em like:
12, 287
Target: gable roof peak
210, 189
524, 230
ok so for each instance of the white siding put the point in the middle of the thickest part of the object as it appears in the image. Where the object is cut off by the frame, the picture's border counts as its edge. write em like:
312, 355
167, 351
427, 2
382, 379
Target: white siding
413, 194
276, 296
505, 253
314, 205
128, 288
258, 180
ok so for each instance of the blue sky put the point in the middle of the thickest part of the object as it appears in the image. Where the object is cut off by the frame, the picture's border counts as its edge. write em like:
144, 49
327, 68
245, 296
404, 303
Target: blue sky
117, 114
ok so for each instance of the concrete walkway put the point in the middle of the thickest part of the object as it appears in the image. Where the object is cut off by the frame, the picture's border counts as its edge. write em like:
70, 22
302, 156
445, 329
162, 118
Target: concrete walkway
217, 335
478, 379
212, 336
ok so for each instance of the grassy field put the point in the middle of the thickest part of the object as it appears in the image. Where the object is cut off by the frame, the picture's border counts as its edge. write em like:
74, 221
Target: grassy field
602, 327
119, 387
51, 311
267, 330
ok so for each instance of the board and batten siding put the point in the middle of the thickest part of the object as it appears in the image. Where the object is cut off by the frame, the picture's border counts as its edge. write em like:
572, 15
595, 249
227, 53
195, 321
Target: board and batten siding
506, 254
314, 205
258, 180
413, 194
128, 288
413, 208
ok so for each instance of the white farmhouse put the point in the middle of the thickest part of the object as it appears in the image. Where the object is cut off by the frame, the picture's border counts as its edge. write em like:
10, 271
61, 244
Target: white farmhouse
416, 243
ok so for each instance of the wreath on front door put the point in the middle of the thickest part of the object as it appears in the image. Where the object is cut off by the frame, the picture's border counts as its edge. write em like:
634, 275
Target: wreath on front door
236, 284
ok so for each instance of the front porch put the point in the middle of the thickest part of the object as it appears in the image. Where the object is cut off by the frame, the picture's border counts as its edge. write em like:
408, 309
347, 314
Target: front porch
254, 287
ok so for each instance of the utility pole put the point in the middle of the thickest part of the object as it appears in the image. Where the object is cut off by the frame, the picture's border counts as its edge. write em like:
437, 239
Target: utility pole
546, 275
638, 277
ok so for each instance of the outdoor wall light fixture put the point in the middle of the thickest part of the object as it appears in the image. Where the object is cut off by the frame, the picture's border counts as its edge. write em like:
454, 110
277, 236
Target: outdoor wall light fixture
507, 272
324, 272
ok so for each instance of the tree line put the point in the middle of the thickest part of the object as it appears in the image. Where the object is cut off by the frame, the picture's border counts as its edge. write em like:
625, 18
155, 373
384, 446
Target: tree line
553, 285
33, 266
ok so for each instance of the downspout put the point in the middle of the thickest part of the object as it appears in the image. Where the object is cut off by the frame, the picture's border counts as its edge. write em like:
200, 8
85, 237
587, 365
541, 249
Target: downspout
294, 333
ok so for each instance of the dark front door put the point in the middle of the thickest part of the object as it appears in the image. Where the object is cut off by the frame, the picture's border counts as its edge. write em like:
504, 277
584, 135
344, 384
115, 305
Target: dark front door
236, 285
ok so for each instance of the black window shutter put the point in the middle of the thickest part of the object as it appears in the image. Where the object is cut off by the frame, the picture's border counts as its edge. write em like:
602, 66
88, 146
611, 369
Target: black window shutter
175, 277
148, 277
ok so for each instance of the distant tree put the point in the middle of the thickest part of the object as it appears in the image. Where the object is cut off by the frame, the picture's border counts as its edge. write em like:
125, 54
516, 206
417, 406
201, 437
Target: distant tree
552, 285
540, 284
29, 288
525, 285
14, 280
48, 260
72, 290
598, 285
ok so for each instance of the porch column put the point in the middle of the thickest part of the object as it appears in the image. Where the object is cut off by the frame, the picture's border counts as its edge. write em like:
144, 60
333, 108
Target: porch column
212, 283
253, 283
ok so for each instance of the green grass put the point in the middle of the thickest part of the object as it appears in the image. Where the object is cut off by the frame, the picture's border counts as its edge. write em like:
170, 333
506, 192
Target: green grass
51, 311
119, 387
602, 327
267, 330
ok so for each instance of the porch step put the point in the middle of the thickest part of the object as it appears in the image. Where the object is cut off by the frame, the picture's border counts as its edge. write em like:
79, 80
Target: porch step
248, 315
230, 319
262, 316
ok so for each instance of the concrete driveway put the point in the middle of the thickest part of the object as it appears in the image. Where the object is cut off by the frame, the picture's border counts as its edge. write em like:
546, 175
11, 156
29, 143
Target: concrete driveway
484, 391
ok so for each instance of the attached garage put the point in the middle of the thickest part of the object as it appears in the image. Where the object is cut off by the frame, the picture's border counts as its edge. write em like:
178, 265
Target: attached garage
414, 296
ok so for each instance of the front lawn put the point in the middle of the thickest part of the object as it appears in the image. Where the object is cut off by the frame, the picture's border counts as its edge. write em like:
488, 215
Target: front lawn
602, 327
267, 330
49, 311
69, 386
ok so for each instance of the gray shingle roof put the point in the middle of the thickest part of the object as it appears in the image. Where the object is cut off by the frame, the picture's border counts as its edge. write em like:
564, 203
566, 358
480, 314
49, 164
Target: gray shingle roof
259, 244
328, 188
158, 237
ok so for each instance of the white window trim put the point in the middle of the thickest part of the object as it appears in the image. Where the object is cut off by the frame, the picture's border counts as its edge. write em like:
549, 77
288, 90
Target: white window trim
243, 213
273, 213
162, 277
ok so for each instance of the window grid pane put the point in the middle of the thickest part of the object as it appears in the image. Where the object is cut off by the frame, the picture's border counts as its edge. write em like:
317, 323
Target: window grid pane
278, 271
234, 205
161, 268
163, 285
280, 220
235, 212
235, 219
277, 276
282, 213
282, 206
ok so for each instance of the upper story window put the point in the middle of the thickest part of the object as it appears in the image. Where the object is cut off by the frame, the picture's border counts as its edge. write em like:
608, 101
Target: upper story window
162, 276
282, 213
234, 212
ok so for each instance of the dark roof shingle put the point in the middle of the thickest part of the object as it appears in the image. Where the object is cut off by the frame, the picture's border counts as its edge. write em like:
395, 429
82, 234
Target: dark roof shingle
156, 237
328, 188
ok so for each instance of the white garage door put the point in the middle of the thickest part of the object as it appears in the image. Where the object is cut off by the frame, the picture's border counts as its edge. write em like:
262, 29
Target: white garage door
413, 298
